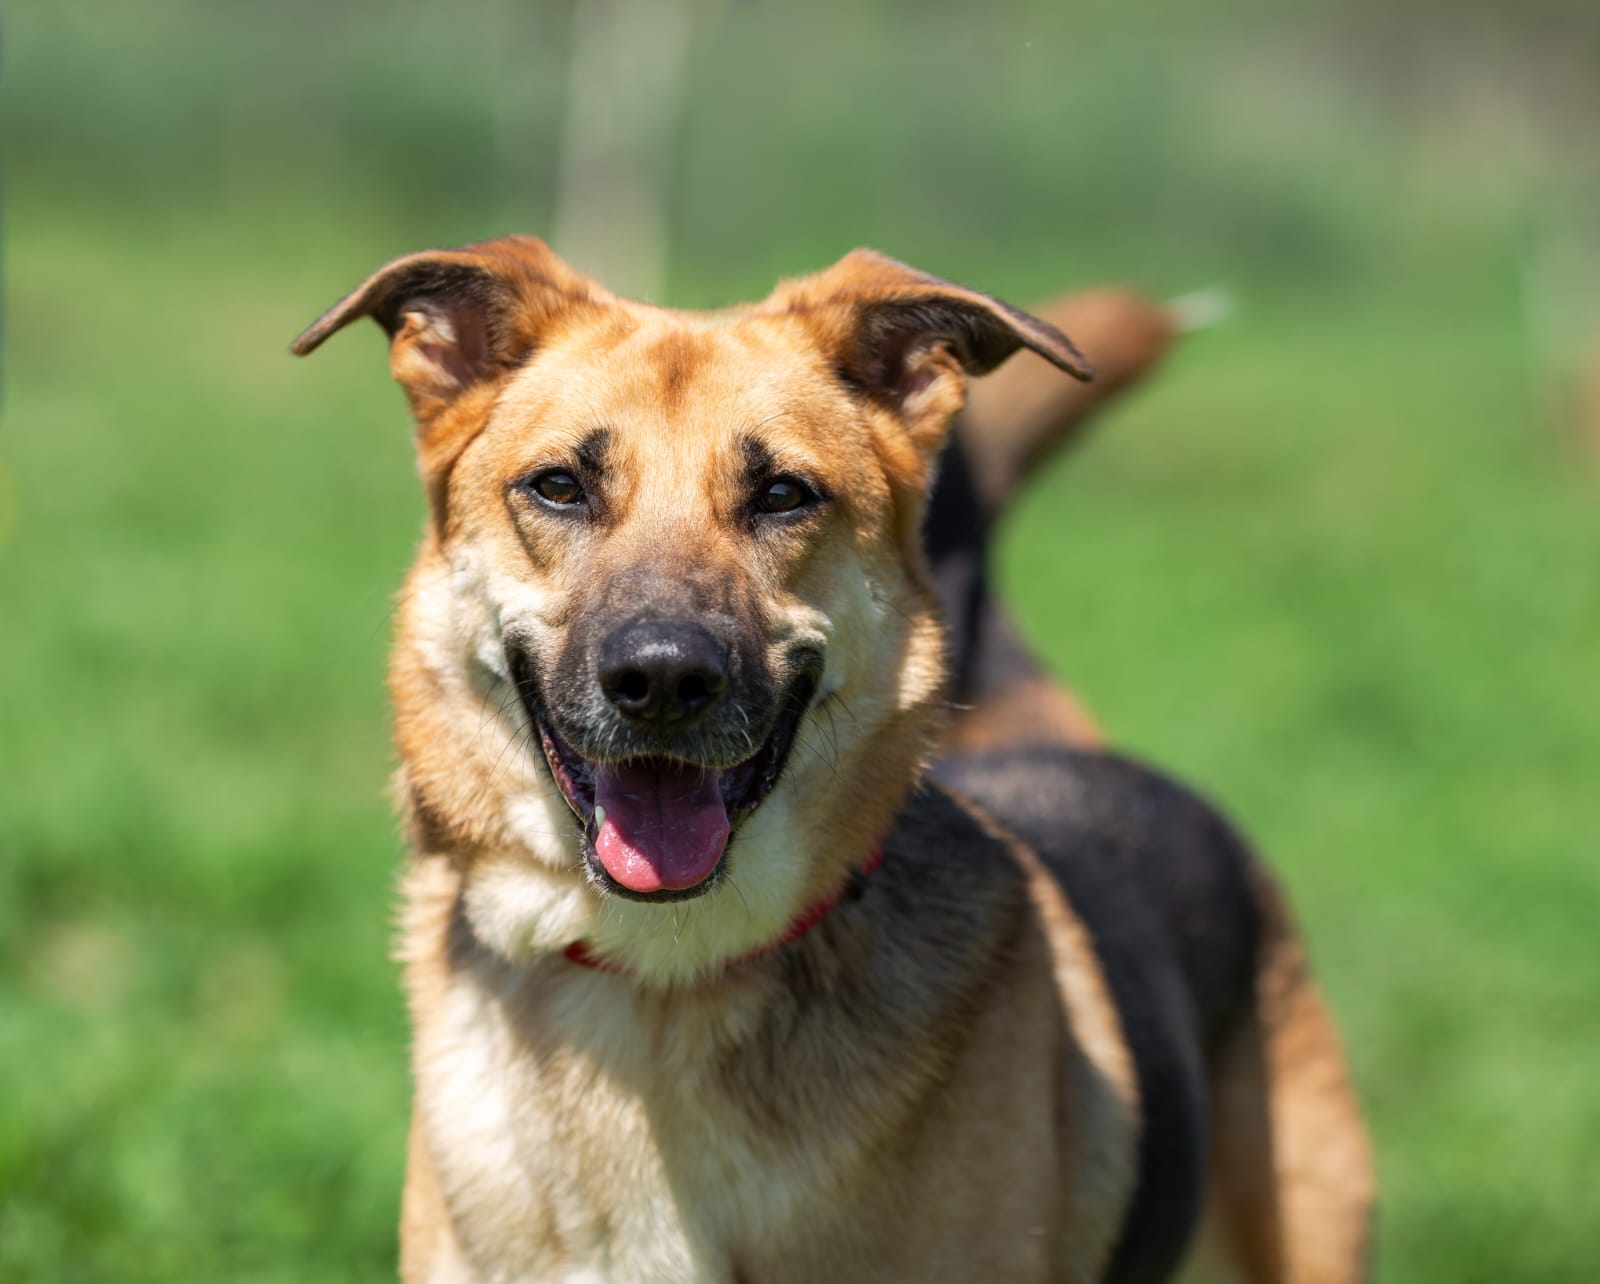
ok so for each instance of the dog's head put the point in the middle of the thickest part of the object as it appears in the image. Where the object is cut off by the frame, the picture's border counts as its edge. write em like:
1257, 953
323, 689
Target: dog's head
682, 551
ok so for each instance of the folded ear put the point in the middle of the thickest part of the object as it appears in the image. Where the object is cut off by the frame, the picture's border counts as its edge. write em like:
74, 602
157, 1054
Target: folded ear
909, 340
458, 318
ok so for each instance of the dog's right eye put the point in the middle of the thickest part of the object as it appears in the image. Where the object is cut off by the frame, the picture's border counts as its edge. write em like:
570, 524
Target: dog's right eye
784, 495
556, 487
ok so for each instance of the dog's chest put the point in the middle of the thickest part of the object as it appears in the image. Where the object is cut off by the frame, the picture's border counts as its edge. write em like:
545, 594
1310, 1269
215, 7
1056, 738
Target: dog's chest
578, 1140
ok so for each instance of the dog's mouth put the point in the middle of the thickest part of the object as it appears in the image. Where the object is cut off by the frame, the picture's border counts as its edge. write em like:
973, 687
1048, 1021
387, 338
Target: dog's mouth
657, 827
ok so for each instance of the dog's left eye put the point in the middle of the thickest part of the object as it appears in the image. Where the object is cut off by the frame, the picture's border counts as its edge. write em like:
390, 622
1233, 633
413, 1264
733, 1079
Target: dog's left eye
784, 495
557, 487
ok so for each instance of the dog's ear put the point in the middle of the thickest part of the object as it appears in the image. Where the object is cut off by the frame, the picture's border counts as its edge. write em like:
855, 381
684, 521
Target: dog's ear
458, 318
909, 340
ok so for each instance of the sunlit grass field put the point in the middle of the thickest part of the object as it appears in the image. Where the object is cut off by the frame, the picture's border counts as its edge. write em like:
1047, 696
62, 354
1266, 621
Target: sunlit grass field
1336, 565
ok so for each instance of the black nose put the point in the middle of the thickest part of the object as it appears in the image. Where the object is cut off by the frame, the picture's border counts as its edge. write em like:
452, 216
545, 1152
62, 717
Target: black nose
662, 671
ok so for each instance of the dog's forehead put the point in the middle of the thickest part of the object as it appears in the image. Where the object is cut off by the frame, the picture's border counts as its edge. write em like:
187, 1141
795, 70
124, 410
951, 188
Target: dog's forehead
661, 381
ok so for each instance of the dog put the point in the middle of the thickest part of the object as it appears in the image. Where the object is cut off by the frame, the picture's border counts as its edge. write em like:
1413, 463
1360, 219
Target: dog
760, 927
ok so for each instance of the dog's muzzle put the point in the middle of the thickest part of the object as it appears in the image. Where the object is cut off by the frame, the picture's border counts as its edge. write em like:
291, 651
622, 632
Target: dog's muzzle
662, 768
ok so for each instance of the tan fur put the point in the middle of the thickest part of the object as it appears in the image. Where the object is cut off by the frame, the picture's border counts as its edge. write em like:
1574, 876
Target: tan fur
1292, 1167
682, 1116
1028, 711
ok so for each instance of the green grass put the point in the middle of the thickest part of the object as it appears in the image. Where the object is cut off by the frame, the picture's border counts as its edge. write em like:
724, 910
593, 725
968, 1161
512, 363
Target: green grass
1335, 565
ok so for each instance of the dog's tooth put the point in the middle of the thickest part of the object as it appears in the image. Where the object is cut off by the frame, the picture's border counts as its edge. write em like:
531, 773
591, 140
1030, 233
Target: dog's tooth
599, 817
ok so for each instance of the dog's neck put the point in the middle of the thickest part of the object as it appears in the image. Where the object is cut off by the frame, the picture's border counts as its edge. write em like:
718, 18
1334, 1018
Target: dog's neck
581, 953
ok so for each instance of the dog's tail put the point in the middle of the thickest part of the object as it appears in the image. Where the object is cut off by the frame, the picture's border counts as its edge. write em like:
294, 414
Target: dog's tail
1015, 420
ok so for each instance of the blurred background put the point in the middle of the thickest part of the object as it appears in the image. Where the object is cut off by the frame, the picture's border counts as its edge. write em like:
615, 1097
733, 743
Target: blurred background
1338, 563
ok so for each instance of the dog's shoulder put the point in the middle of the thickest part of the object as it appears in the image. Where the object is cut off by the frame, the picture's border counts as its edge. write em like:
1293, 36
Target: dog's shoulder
1167, 892
1151, 866
1162, 881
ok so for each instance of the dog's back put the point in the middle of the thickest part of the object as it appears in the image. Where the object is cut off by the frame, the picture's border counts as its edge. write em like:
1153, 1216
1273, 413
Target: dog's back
1227, 1036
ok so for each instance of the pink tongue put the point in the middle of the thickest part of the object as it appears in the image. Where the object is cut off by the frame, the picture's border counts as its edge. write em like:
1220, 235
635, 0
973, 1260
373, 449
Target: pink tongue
664, 828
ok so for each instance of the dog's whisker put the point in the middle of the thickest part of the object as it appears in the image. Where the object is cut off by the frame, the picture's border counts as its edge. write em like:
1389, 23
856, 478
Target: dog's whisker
728, 878
520, 739
485, 717
821, 757
833, 737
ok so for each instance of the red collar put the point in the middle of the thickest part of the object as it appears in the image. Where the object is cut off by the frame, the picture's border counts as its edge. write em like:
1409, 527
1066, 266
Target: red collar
580, 953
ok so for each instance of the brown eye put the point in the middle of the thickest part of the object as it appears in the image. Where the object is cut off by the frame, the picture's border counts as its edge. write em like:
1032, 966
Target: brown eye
783, 495
557, 487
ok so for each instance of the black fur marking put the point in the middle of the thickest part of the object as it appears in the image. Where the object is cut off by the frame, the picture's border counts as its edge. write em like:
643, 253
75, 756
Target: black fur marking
591, 453
1164, 889
955, 533
760, 465
984, 653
